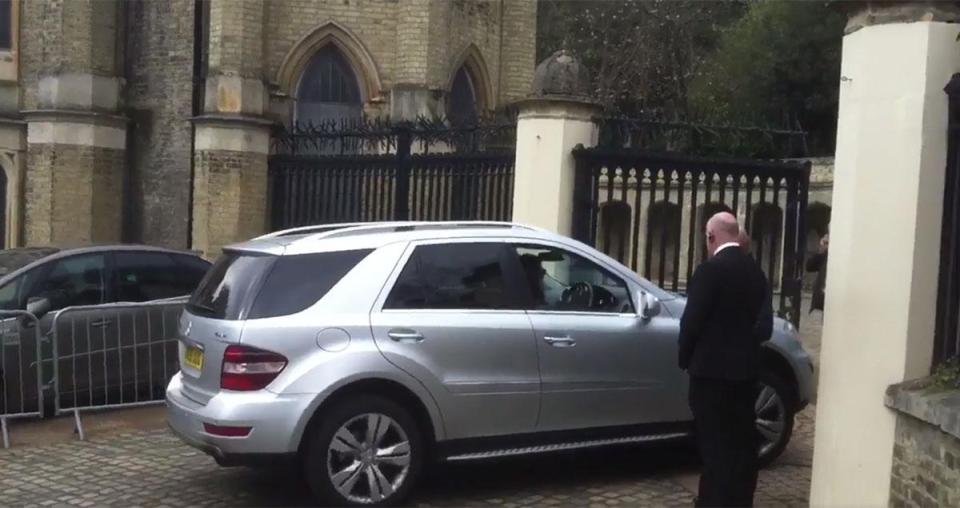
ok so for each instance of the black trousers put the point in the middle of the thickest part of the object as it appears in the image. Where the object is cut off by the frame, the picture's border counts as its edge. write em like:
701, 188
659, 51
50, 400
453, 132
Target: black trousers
723, 413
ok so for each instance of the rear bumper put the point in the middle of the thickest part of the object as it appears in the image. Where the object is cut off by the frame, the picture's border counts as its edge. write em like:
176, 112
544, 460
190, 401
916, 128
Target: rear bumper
272, 418
235, 459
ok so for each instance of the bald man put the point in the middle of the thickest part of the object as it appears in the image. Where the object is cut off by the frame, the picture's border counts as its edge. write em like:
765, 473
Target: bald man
720, 350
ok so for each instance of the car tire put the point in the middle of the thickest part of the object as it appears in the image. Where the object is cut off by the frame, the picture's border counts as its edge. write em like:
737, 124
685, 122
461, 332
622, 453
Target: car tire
341, 461
780, 409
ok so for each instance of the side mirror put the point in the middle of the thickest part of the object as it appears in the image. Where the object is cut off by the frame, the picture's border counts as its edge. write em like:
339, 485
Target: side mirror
38, 306
649, 305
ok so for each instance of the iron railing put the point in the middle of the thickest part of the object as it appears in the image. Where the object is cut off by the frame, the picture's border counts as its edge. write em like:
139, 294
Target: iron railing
86, 358
654, 131
375, 171
649, 210
21, 392
114, 355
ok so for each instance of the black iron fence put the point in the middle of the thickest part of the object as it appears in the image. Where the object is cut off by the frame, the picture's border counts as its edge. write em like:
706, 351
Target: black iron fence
649, 210
947, 329
375, 170
654, 131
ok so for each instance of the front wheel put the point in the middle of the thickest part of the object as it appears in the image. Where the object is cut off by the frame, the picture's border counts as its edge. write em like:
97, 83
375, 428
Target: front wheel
366, 451
774, 412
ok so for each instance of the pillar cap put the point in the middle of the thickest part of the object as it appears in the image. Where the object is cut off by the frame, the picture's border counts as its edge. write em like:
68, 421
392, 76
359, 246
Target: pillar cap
239, 121
864, 13
561, 76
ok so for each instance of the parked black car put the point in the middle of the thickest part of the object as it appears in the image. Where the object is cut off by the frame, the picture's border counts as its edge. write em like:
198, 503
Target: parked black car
94, 345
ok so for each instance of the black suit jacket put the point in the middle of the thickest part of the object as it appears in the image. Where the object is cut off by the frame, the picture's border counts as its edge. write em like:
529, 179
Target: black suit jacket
763, 329
720, 331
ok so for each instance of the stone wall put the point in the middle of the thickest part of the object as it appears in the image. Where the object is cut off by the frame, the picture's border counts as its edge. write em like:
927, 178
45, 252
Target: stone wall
73, 37
119, 76
926, 466
159, 99
228, 198
73, 196
476, 23
416, 42
374, 22
519, 51
76, 134
926, 450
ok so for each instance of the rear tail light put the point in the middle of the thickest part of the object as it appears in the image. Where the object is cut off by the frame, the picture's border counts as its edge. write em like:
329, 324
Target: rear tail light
246, 369
224, 431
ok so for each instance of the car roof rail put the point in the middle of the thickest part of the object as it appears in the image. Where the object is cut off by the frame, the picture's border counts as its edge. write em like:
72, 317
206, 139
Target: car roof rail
312, 229
395, 227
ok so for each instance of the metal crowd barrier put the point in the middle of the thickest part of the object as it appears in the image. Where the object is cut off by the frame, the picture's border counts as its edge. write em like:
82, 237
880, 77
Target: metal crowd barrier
21, 390
113, 356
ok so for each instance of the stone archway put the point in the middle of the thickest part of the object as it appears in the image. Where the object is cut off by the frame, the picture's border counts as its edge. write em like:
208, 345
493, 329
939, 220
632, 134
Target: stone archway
355, 54
470, 71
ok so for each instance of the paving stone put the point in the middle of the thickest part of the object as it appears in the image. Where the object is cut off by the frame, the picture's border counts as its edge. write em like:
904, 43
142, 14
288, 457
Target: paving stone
154, 468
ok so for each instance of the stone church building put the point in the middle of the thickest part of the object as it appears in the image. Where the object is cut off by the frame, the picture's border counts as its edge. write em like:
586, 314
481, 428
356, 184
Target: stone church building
150, 121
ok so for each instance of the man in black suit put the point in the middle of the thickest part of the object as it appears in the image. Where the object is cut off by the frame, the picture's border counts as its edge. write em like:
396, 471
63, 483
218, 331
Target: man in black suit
720, 350
764, 327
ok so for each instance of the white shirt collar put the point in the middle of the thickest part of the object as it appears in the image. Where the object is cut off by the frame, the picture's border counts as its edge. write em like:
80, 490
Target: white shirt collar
724, 246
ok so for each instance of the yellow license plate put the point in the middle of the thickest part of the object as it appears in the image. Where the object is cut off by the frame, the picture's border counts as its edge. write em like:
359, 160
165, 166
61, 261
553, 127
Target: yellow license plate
193, 357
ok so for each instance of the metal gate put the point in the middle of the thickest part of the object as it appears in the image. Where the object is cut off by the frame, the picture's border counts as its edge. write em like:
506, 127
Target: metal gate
649, 211
377, 171
947, 331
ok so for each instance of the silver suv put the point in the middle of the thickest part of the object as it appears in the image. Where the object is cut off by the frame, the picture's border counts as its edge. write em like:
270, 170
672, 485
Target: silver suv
365, 351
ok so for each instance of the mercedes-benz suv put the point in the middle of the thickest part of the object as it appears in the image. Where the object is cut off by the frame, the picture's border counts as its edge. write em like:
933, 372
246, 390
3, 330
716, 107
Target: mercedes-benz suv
364, 352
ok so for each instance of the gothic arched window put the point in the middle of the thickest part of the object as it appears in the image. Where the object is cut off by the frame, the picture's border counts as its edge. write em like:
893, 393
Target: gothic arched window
328, 89
462, 106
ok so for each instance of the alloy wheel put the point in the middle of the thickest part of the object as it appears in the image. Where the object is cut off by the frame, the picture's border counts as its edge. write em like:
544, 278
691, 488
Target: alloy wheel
770, 417
368, 458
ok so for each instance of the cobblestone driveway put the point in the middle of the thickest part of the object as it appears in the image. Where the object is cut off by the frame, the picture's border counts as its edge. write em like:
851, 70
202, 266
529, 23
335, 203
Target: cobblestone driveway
152, 468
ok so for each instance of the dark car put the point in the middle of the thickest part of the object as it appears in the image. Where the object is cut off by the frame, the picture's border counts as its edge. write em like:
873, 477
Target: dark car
107, 353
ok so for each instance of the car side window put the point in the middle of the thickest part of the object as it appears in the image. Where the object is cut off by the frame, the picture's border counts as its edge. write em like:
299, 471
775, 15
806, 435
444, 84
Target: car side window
452, 276
13, 295
9, 298
562, 281
76, 280
145, 276
192, 269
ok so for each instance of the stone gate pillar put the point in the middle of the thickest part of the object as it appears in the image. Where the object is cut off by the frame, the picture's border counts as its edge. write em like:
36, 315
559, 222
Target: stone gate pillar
76, 140
881, 285
553, 120
232, 137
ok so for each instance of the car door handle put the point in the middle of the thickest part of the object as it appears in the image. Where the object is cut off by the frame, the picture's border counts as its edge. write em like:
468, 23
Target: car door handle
405, 336
559, 341
101, 323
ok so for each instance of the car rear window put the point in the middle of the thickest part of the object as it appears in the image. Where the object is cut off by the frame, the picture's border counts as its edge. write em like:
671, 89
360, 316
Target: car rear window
227, 288
297, 282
